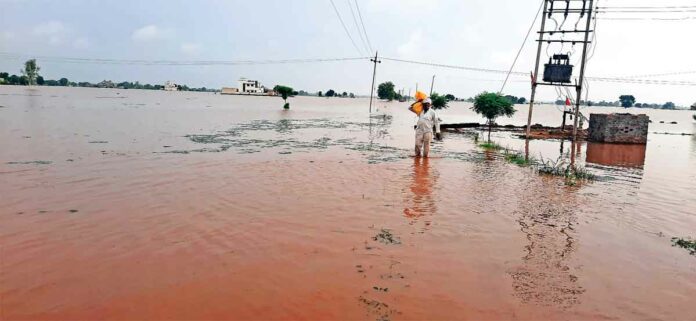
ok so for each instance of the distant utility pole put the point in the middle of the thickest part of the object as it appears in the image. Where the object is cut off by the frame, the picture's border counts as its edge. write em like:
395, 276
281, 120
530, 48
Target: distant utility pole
552, 69
374, 73
432, 84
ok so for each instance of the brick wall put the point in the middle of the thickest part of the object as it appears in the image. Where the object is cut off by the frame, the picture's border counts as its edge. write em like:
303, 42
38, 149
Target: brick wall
618, 128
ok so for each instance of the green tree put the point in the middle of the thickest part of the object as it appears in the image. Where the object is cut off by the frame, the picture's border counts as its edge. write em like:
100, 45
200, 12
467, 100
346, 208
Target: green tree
13, 80
4, 75
492, 106
330, 93
352, 95
693, 107
669, 105
450, 97
31, 71
40, 80
344, 94
521, 100
386, 91
627, 100
284, 92
63, 81
320, 94
439, 102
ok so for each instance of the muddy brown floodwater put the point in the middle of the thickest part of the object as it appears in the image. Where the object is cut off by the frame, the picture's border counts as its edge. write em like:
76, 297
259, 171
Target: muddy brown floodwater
132, 205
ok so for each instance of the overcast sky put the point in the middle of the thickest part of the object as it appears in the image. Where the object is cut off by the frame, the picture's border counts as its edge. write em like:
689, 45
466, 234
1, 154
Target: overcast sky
475, 33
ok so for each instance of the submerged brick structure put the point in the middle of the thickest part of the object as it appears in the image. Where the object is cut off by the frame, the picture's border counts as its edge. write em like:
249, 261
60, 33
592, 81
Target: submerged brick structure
618, 128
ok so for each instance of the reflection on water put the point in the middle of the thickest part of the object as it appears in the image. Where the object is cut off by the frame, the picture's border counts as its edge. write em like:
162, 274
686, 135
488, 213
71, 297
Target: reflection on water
625, 155
546, 216
419, 198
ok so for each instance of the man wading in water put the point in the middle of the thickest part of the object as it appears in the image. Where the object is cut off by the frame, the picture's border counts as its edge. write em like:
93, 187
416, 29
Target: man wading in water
424, 128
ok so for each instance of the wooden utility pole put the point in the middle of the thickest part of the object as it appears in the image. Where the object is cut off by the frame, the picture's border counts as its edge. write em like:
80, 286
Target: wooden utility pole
374, 73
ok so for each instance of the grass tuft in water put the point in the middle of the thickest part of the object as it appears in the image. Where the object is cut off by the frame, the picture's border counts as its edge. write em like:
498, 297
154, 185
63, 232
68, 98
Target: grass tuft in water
687, 244
491, 146
516, 158
571, 173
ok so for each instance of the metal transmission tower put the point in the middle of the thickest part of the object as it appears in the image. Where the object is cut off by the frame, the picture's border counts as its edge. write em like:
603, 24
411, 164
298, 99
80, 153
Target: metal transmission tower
558, 71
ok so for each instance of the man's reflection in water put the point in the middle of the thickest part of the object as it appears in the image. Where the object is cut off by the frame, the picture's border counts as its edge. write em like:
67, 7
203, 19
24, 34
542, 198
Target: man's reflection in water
420, 201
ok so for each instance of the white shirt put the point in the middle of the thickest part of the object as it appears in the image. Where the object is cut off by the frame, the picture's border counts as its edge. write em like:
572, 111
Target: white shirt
426, 120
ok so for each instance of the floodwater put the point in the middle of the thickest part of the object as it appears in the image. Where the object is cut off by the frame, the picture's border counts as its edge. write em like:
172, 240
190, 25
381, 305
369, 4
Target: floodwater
125, 205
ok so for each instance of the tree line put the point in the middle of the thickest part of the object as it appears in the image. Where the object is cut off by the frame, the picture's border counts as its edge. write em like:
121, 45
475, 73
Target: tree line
333, 93
626, 101
386, 91
29, 76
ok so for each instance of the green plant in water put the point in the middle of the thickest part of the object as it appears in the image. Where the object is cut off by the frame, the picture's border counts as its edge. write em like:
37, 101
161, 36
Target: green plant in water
687, 244
284, 92
516, 158
571, 173
490, 146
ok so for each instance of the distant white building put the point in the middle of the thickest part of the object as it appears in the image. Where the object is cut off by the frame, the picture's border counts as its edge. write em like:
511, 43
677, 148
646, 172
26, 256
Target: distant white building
170, 86
247, 86
229, 91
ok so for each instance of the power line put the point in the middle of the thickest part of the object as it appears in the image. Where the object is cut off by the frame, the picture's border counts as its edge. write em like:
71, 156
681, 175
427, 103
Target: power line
455, 66
355, 21
363, 25
663, 74
318, 60
344, 27
648, 18
516, 73
175, 62
647, 7
524, 42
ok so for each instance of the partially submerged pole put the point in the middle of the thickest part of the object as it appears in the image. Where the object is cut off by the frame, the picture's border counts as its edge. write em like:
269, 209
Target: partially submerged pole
582, 72
536, 72
374, 73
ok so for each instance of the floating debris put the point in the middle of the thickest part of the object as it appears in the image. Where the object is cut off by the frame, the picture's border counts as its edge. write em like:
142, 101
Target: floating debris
385, 236
687, 244
98, 142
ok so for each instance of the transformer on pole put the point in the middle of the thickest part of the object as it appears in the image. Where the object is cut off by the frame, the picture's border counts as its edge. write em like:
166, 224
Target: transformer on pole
558, 71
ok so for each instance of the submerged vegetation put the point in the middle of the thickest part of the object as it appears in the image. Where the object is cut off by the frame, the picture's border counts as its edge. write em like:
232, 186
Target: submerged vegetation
561, 168
571, 173
284, 92
490, 146
687, 244
516, 158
